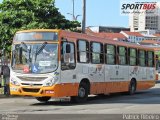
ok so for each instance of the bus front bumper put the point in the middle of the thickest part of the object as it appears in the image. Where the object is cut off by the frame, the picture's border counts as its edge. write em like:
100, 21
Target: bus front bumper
57, 90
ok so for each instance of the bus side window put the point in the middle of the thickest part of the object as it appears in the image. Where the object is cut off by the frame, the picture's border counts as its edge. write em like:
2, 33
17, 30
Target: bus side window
150, 59
68, 56
122, 55
83, 51
97, 56
132, 56
110, 51
142, 55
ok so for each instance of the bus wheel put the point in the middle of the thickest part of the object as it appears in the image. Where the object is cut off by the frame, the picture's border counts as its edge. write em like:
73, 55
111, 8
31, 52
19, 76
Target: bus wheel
82, 94
43, 99
132, 87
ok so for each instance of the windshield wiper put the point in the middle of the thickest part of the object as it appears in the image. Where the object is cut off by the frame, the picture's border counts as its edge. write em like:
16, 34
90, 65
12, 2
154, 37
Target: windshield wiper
27, 49
24, 46
39, 50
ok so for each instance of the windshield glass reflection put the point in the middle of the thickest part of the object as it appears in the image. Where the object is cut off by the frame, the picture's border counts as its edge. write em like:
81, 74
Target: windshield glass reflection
35, 58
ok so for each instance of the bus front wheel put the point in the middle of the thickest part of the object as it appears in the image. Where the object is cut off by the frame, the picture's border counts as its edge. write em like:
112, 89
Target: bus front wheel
82, 94
43, 99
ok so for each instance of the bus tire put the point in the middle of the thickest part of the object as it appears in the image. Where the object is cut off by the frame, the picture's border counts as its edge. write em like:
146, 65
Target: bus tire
43, 99
132, 87
83, 92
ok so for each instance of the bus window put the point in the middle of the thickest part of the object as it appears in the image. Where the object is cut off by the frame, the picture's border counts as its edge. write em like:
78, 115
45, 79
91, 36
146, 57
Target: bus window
68, 59
110, 54
132, 57
97, 53
150, 59
83, 51
142, 58
122, 55
29, 36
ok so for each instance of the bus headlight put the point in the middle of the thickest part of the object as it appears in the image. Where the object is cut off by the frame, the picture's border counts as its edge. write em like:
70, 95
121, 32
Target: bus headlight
14, 82
51, 82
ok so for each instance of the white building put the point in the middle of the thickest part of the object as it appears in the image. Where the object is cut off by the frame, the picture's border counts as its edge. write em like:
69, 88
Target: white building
145, 21
134, 37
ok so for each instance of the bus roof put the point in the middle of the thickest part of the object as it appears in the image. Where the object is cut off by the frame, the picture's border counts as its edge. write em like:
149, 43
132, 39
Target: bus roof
75, 36
93, 38
39, 30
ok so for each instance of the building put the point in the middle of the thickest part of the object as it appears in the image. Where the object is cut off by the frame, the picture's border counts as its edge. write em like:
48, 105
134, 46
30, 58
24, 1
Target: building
109, 36
134, 37
158, 36
113, 36
108, 29
145, 21
127, 36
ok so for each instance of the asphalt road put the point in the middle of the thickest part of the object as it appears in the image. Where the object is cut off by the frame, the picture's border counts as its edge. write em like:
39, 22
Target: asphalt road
142, 103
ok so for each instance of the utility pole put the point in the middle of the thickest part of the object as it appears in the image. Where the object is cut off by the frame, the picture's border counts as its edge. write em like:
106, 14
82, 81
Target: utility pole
73, 10
84, 17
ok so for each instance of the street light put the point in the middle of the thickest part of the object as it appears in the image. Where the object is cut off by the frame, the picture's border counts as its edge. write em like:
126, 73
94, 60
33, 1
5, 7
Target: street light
84, 15
74, 17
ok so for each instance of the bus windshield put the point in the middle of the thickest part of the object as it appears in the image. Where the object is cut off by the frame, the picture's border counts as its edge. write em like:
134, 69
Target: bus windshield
34, 58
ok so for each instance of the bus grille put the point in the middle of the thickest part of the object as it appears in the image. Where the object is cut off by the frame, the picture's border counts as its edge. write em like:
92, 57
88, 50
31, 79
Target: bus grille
32, 78
27, 84
31, 90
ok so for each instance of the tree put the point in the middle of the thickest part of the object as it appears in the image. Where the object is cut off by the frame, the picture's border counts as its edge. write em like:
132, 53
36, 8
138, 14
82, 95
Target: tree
30, 14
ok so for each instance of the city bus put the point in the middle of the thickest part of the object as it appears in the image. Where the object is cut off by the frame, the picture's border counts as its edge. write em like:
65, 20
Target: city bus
48, 63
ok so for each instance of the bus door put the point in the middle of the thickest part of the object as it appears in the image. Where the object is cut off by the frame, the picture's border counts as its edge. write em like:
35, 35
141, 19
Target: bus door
122, 68
111, 68
68, 64
142, 65
116, 69
97, 67
151, 66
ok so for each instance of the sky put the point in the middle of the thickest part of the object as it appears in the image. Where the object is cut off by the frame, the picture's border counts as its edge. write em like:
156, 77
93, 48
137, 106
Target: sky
98, 12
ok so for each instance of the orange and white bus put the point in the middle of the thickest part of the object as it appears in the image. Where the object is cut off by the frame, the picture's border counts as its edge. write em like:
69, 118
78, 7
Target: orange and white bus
57, 63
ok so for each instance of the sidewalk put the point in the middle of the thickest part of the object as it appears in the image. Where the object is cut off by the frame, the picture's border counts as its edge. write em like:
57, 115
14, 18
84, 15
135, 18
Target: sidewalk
4, 96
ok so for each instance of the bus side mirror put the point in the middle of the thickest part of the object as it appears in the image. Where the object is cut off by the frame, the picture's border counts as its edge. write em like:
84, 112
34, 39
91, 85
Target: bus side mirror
68, 48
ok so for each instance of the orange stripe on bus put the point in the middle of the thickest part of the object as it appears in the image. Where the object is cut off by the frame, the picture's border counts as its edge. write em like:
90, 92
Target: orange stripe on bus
71, 89
142, 85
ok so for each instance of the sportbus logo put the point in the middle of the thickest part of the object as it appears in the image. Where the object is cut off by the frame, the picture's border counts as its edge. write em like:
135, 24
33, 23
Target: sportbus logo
137, 7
